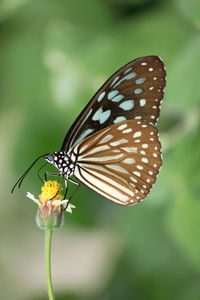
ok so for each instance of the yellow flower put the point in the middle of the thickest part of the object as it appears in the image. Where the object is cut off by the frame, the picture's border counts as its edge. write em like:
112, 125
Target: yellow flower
50, 192
50, 205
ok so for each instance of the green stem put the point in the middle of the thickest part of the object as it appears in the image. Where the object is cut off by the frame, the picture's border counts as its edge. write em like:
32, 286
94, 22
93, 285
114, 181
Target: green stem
48, 236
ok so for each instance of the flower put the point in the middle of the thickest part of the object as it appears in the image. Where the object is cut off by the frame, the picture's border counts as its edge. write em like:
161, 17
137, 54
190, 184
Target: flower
50, 205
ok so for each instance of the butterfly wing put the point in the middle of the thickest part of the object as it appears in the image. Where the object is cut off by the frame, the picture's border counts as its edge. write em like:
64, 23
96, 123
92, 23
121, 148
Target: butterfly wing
120, 162
134, 92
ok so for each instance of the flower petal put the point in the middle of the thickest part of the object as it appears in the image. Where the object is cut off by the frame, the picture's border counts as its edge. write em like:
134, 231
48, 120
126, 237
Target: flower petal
69, 208
32, 197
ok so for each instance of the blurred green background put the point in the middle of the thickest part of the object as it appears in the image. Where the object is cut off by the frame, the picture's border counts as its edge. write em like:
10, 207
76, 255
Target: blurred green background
53, 56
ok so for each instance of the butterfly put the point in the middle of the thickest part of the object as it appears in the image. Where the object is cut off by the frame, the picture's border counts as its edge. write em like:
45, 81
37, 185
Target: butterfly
113, 146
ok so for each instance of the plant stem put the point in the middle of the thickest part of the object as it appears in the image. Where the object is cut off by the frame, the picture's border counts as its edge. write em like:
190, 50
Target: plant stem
48, 236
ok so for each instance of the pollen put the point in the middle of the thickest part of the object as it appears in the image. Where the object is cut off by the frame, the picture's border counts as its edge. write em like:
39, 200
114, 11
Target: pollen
50, 192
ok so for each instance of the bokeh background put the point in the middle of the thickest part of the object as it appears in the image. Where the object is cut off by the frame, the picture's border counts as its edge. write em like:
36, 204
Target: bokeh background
53, 56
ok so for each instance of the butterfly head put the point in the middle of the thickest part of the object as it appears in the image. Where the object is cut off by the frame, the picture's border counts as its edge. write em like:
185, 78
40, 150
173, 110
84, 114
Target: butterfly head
49, 158
56, 158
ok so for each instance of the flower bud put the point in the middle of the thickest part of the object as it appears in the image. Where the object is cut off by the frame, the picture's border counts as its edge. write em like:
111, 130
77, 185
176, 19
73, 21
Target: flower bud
49, 215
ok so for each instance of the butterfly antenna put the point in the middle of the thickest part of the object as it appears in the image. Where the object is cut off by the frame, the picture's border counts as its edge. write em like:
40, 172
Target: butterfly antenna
19, 181
40, 171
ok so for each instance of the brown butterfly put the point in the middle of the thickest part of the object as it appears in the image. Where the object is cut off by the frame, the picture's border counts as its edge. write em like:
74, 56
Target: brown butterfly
113, 146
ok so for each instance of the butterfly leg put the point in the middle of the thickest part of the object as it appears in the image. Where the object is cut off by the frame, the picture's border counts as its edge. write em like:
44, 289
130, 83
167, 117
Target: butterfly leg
66, 188
50, 173
74, 182
76, 189
40, 171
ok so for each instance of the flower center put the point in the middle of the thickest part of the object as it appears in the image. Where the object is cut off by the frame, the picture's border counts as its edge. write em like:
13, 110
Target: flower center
50, 192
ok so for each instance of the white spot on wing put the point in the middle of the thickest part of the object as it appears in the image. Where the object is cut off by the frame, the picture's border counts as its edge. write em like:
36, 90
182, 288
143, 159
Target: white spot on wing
129, 161
119, 119
101, 158
106, 138
138, 91
127, 130
140, 80
127, 105
117, 168
144, 145
142, 102
98, 149
139, 167
101, 116
121, 127
127, 77
130, 149
112, 94
119, 142
117, 98
84, 135
137, 134
137, 173
128, 70
114, 81
145, 160
133, 179
101, 96
132, 184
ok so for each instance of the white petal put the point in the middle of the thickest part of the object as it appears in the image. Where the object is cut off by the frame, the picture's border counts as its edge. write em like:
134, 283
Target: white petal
59, 202
32, 197
69, 208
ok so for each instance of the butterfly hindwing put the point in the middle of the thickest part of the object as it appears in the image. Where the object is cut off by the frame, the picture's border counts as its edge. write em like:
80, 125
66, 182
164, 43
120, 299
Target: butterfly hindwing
120, 162
134, 92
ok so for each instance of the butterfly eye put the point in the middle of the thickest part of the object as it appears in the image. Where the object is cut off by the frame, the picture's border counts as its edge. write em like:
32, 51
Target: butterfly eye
49, 158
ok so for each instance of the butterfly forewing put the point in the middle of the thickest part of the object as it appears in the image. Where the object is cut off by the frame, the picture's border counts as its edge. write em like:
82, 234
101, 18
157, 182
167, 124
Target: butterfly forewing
120, 162
134, 92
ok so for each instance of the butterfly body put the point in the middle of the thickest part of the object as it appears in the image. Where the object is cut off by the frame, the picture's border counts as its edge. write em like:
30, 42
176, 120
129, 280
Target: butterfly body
63, 162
